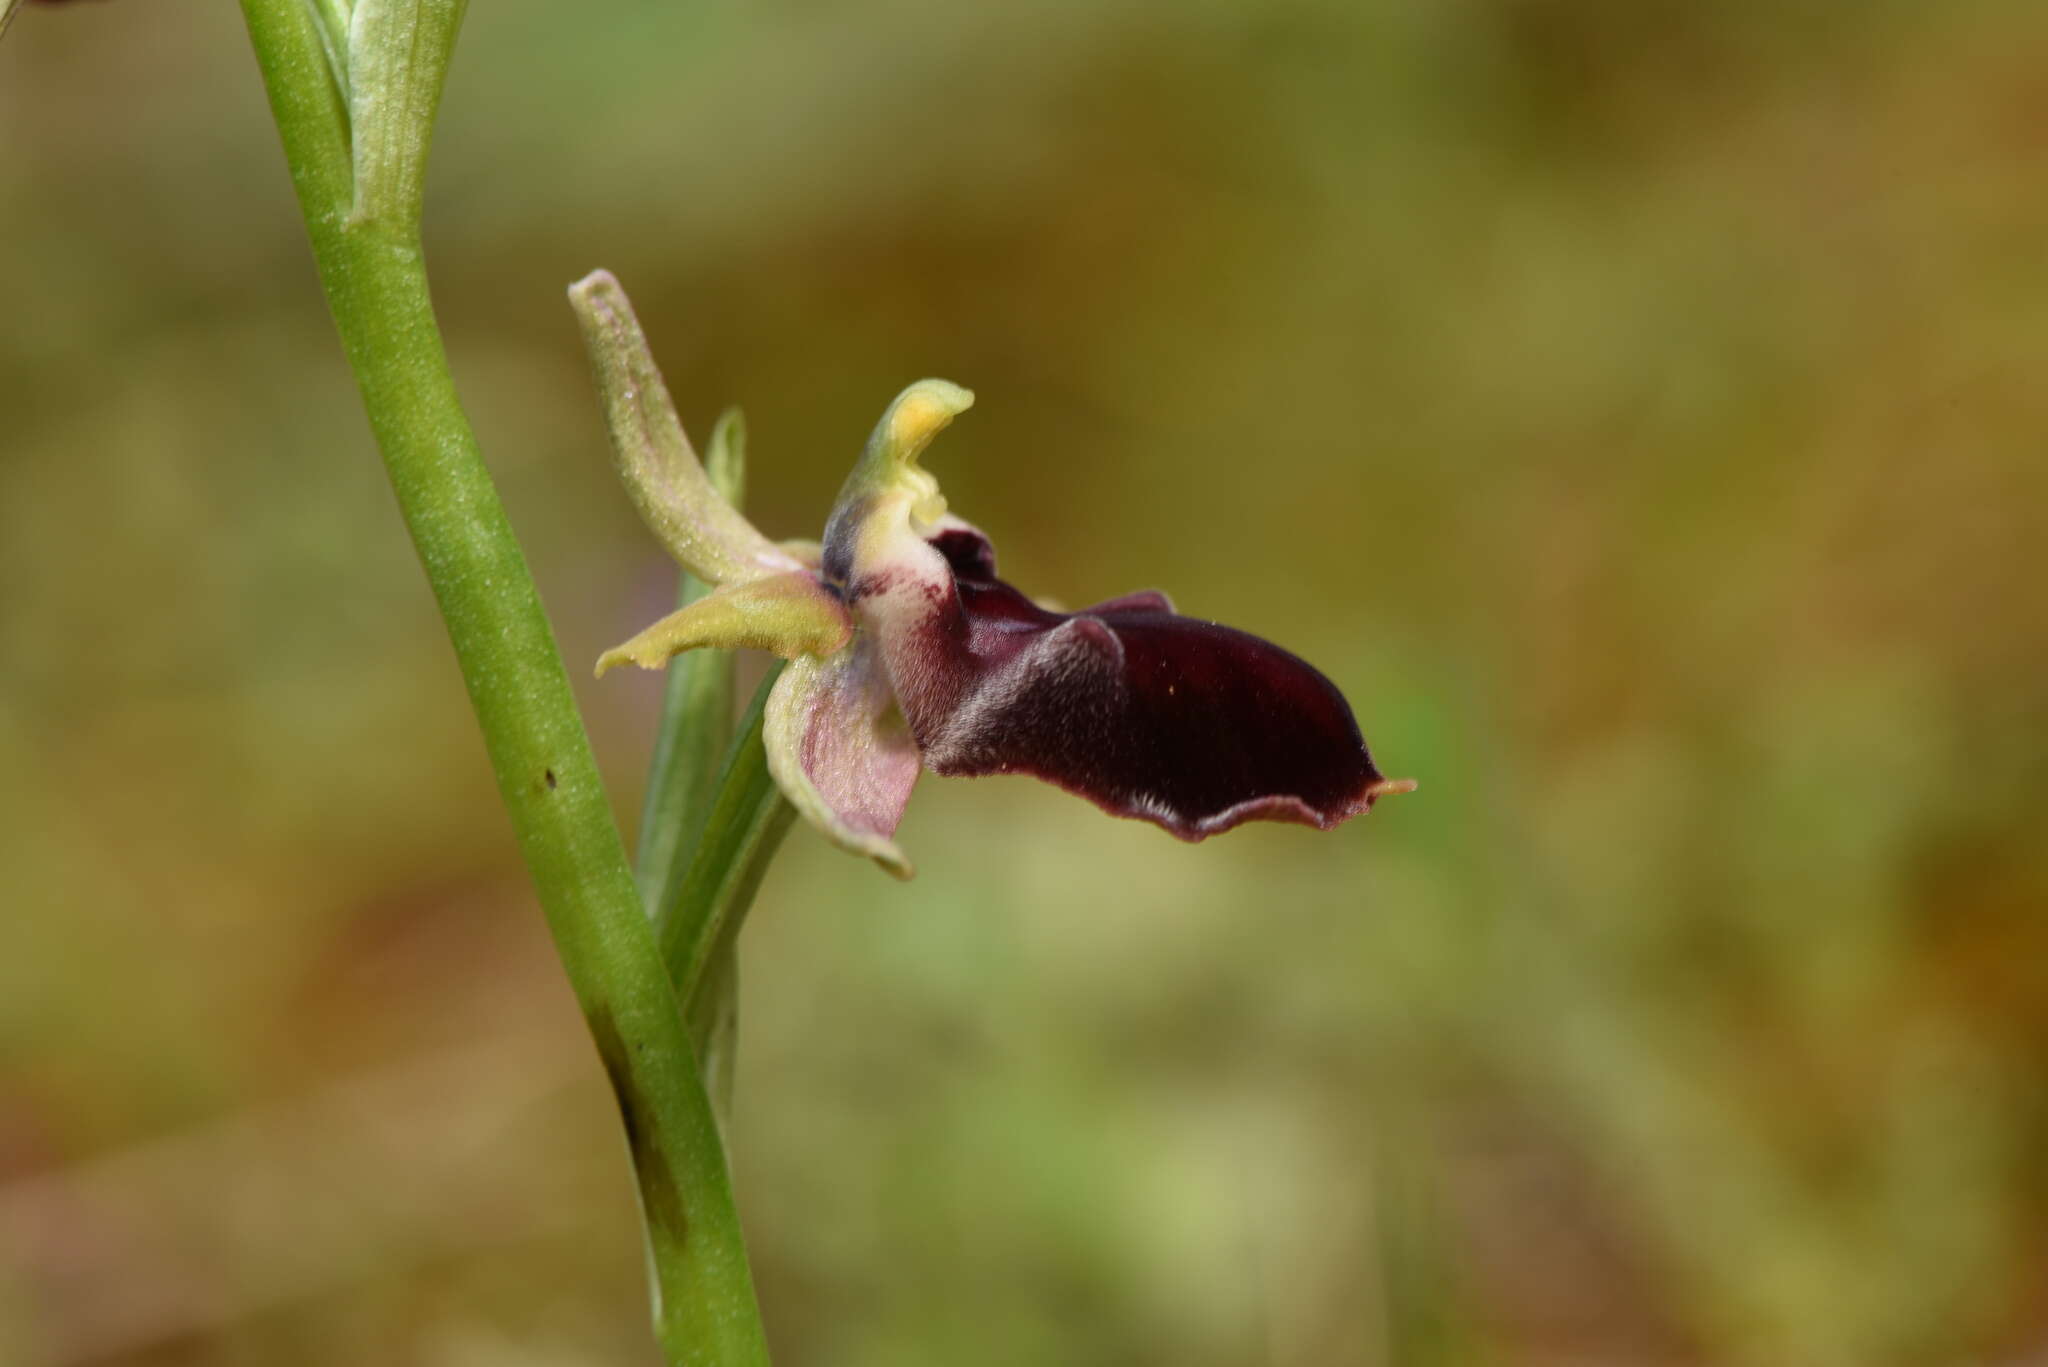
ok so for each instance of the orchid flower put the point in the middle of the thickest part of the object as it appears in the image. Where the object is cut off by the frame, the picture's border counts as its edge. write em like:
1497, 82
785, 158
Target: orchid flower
907, 653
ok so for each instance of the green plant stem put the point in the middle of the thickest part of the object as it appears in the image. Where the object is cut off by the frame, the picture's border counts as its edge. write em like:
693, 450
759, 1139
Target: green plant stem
745, 828
376, 286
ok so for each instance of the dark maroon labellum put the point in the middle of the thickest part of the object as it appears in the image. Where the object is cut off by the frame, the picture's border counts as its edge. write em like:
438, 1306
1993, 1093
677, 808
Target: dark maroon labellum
1186, 723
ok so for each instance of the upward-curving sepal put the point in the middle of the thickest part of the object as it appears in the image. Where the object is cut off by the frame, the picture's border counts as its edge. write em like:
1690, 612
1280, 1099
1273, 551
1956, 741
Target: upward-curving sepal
660, 471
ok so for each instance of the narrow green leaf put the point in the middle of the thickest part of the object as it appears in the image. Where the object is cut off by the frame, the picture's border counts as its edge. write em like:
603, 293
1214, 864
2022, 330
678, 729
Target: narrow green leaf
714, 1021
332, 18
745, 828
696, 714
398, 54
682, 786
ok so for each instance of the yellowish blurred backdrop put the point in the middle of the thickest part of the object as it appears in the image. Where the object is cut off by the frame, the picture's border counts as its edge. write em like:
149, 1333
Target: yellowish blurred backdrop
1637, 408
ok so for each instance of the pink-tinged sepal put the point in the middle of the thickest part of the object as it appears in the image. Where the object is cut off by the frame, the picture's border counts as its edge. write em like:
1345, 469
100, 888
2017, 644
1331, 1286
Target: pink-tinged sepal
1191, 725
841, 753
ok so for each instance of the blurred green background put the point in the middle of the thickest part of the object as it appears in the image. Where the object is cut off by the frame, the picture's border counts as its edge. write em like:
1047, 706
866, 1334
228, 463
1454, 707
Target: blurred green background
1637, 408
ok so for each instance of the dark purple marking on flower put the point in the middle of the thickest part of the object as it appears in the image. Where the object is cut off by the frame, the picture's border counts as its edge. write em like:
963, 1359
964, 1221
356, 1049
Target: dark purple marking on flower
1192, 725
869, 585
967, 551
835, 558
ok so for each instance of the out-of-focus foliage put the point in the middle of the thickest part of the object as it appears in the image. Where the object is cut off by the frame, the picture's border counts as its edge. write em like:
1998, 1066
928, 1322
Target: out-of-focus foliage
1637, 408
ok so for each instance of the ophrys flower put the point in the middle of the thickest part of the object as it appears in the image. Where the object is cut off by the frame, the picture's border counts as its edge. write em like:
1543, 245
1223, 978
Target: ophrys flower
908, 653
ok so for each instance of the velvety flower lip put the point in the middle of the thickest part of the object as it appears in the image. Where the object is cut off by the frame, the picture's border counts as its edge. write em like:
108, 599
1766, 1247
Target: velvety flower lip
1191, 725
907, 652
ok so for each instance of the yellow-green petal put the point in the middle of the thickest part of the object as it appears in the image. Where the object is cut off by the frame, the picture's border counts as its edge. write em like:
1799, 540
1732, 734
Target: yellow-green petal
789, 614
